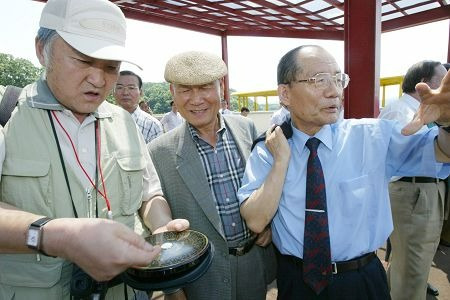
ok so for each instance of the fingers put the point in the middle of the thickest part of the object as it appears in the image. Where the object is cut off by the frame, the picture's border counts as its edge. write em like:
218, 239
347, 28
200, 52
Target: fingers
412, 127
178, 225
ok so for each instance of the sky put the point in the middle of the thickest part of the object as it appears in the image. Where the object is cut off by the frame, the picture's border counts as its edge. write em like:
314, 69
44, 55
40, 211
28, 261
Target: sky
252, 60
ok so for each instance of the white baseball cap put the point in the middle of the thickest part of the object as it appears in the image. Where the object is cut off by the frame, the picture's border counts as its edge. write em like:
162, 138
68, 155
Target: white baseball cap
96, 28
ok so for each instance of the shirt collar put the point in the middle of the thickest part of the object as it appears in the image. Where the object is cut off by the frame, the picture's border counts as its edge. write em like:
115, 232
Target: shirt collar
39, 95
411, 101
194, 132
325, 135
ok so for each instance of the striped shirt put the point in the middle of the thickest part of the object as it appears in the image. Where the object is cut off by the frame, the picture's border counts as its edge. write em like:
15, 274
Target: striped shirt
147, 124
224, 168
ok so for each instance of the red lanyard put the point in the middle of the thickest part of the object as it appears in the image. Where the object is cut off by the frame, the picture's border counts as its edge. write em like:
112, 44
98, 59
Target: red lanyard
108, 205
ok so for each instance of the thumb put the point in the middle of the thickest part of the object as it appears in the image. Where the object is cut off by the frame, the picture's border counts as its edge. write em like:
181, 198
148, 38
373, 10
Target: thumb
413, 126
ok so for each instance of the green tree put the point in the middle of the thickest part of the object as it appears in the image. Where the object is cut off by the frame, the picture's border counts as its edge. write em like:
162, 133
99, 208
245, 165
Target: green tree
17, 71
157, 95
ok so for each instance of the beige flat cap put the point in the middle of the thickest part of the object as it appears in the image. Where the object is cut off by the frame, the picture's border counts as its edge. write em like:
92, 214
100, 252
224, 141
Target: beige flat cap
194, 68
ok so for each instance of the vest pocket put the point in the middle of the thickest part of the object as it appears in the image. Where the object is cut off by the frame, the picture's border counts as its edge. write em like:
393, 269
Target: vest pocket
23, 177
131, 174
22, 270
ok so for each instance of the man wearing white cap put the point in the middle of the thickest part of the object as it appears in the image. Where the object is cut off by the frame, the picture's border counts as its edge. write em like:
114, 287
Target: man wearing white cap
76, 170
200, 164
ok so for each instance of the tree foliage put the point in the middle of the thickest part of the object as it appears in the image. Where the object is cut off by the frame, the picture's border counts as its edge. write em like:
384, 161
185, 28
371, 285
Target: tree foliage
17, 71
157, 95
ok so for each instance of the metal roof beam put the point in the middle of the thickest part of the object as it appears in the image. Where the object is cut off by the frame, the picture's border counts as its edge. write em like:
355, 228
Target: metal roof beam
424, 17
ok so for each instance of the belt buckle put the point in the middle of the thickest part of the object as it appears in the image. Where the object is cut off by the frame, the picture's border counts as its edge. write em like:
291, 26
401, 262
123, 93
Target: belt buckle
240, 251
334, 269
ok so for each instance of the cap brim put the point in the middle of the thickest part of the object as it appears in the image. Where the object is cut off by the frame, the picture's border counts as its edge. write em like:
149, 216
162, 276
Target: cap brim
96, 48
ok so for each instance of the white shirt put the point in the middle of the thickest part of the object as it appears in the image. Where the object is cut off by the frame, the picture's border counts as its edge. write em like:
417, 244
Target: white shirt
171, 120
83, 137
402, 110
225, 111
279, 116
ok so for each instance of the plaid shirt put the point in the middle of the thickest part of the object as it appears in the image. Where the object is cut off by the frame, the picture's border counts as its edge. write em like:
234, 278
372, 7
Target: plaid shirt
147, 124
224, 168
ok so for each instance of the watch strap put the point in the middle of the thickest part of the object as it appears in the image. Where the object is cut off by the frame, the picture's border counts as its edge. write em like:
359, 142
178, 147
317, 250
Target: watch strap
38, 224
446, 126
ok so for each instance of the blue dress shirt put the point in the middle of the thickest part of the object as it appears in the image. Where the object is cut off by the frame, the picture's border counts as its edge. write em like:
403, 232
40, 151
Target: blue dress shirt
358, 159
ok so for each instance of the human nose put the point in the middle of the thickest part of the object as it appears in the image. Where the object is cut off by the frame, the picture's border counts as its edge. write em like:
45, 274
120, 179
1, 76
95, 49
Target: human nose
96, 77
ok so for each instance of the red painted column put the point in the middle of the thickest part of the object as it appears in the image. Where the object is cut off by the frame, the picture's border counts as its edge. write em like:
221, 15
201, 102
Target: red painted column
448, 50
225, 59
362, 23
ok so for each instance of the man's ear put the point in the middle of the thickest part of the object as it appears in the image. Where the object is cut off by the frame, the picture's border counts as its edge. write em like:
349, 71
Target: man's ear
39, 48
283, 94
172, 91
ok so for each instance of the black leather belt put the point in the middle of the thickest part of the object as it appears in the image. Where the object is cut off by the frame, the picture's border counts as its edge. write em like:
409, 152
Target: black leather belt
419, 179
239, 251
342, 266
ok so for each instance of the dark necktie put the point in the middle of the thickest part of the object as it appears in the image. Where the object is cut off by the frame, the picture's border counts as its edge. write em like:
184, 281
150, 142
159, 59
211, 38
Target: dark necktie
316, 243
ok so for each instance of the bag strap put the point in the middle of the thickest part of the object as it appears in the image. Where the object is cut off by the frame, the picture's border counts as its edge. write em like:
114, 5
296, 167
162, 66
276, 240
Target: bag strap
9, 102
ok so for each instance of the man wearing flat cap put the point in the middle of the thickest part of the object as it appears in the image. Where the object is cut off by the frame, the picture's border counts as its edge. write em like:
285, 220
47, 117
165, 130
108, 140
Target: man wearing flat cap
76, 171
200, 165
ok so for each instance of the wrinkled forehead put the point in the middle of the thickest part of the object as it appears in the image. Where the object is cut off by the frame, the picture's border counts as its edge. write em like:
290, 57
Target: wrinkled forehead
316, 60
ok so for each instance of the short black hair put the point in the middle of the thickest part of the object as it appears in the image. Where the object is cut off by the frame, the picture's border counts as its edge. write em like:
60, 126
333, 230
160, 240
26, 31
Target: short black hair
446, 66
244, 109
421, 71
171, 103
288, 68
125, 73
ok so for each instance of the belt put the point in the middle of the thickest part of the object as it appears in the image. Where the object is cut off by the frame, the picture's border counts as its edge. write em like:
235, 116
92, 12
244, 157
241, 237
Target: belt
239, 251
420, 179
342, 266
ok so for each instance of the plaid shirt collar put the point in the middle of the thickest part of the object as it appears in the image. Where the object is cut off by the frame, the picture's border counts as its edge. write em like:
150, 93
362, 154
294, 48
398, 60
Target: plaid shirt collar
194, 132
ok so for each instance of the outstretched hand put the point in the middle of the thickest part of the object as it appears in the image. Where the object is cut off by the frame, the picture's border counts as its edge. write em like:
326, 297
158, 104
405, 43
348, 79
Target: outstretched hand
102, 248
434, 106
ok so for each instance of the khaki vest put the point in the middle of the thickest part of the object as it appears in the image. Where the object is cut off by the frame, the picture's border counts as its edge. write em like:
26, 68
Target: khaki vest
33, 180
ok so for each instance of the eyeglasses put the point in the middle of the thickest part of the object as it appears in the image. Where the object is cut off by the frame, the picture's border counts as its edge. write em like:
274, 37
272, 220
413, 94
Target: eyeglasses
130, 88
323, 80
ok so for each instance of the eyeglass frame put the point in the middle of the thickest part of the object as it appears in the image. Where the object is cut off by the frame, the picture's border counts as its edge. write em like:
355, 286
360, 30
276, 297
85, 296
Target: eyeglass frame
129, 88
313, 80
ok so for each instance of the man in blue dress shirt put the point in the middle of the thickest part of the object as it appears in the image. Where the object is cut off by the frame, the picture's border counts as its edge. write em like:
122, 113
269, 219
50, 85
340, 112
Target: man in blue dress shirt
358, 158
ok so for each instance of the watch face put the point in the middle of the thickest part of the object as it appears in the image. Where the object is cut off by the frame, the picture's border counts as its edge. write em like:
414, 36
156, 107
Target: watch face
33, 237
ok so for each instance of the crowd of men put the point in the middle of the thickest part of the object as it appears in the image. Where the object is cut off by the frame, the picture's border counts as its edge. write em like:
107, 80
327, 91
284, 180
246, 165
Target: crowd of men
307, 203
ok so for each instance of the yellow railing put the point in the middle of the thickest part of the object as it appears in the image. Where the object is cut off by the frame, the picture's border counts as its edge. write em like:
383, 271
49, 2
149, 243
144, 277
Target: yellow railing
242, 97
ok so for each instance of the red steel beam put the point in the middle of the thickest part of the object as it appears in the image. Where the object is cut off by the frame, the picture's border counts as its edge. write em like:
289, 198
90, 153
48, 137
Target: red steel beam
226, 93
362, 58
424, 17
300, 34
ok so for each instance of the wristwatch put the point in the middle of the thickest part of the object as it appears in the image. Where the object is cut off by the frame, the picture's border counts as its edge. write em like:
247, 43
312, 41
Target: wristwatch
34, 235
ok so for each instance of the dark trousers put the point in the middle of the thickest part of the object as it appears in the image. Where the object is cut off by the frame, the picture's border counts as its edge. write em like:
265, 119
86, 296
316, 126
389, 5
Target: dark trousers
368, 282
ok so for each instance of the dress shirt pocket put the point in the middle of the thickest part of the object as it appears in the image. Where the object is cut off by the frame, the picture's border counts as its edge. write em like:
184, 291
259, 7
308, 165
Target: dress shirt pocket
131, 177
354, 194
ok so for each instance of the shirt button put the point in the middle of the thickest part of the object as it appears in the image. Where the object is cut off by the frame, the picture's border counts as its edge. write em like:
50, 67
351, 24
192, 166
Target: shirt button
227, 199
221, 175
233, 224
84, 150
225, 280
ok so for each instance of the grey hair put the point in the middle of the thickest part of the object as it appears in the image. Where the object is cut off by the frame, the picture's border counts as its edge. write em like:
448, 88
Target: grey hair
289, 67
47, 37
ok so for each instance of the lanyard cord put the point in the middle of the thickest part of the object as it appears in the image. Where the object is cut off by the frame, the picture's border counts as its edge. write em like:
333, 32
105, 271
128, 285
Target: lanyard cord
62, 163
104, 195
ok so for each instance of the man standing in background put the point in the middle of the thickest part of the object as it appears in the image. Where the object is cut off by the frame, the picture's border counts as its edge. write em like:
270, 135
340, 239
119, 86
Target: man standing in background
127, 93
417, 203
171, 119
